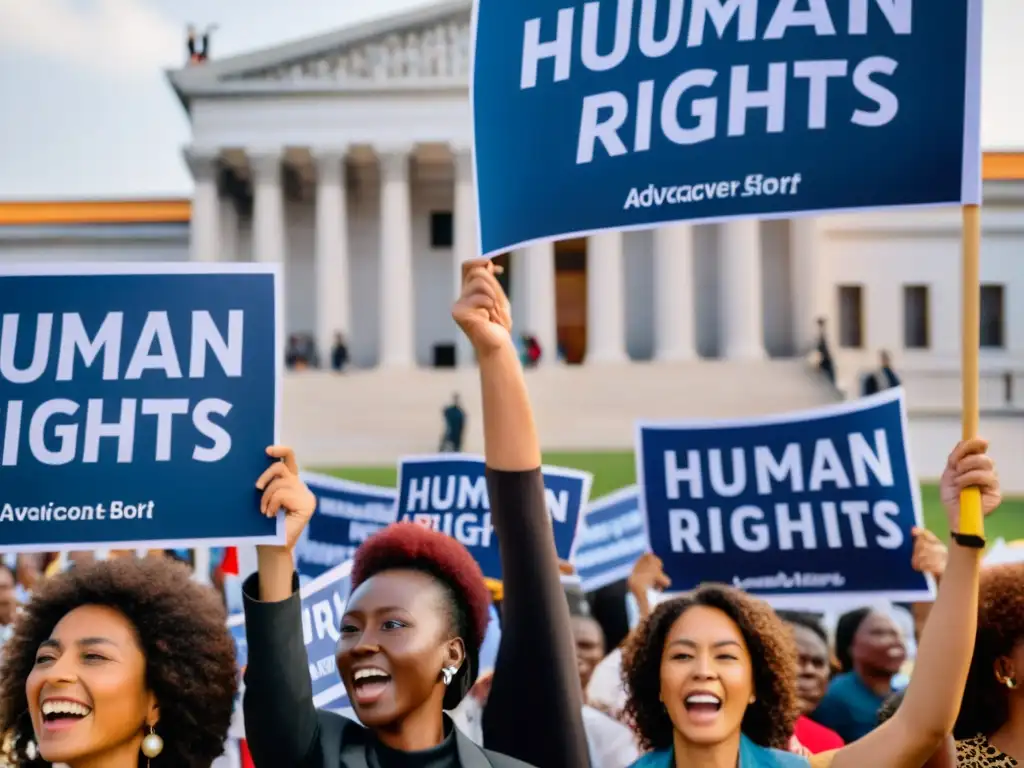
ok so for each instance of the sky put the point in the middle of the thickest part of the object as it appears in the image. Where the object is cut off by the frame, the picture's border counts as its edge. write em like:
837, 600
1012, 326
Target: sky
88, 112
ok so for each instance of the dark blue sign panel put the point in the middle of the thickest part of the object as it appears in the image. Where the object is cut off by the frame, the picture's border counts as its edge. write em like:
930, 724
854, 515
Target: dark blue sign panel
449, 493
630, 114
136, 404
815, 504
347, 513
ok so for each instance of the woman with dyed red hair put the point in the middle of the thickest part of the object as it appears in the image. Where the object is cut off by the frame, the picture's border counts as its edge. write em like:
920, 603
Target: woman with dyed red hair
417, 615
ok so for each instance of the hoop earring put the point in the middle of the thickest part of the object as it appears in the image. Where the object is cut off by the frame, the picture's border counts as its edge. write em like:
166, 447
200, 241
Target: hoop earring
152, 745
448, 674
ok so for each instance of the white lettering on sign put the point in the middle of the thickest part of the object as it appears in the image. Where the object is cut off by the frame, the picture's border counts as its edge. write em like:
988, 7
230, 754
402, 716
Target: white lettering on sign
687, 109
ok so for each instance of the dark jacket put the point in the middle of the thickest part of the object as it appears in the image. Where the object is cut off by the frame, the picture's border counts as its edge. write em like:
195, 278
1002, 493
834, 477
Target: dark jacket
534, 708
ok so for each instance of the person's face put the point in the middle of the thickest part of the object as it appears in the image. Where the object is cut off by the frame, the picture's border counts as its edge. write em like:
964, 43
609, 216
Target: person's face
813, 668
589, 646
706, 676
8, 600
394, 643
878, 644
87, 694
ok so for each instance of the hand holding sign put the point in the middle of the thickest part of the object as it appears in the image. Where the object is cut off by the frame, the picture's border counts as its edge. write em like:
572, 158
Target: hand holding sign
283, 489
483, 311
969, 466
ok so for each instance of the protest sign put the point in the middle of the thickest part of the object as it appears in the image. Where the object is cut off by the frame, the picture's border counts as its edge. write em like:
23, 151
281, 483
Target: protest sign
346, 514
136, 404
629, 114
788, 507
612, 536
323, 605
449, 493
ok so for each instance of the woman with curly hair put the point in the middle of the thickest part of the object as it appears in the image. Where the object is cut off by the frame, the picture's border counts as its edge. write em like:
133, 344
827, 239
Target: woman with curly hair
990, 729
123, 664
712, 675
415, 620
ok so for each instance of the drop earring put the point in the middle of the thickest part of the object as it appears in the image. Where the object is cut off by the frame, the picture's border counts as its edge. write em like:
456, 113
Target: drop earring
152, 745
448, 674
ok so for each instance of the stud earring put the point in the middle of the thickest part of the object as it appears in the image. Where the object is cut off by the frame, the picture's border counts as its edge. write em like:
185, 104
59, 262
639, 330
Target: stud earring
448, 674
152, 745
1011, 683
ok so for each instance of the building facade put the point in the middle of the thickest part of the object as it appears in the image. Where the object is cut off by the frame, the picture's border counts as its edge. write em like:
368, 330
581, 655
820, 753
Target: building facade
345, 158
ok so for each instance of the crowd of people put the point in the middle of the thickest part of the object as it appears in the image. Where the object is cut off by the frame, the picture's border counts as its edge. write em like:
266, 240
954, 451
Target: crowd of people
127, 661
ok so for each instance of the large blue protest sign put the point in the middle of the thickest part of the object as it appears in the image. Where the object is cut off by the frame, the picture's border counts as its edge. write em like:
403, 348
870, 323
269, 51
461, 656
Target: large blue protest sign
347, 513
815, 504
612, 536
628, 114
449, 493
136, 404
323, 605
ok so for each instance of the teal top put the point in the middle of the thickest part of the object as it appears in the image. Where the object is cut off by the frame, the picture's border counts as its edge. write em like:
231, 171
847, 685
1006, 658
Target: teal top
751, 756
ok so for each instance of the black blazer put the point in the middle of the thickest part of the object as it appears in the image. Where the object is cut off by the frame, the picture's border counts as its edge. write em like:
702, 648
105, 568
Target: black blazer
535, 678
283, 729
343, 745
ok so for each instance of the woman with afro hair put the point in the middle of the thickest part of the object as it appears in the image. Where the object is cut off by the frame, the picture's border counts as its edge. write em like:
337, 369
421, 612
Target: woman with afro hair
711, 675
122, 663
990, 729
417, 614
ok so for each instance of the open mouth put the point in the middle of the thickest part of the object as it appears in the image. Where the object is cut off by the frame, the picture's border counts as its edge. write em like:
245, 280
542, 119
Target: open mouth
702, 706
58, 713
369, 684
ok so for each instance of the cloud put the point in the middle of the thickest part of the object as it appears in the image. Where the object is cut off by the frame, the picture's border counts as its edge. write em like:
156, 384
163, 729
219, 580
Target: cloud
123, 38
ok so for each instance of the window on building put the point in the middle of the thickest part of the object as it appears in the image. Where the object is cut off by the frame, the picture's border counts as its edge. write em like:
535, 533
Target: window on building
442, 230
992, 316
851, 316
916, 317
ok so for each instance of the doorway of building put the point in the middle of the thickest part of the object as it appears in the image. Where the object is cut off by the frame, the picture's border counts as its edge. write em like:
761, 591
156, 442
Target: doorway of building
571, 298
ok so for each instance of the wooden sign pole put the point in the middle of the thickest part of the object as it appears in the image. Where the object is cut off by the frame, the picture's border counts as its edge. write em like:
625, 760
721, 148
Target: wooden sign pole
971, 519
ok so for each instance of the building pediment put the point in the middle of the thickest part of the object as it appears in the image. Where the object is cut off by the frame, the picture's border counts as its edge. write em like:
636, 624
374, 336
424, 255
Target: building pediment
422, 49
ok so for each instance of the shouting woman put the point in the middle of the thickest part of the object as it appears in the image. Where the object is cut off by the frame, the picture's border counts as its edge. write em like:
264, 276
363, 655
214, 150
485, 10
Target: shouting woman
121, 663
712, 675
417, 613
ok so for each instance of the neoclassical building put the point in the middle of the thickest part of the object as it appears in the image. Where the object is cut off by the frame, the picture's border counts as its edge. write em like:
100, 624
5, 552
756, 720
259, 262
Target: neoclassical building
345, 157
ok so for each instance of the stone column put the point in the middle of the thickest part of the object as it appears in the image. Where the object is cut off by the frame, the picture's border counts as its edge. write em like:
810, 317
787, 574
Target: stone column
740, 289
811, 299
539, 309
268, 235
268, 222
333, 308
204, 226
674, 307
465, 246
606, 331
397, 348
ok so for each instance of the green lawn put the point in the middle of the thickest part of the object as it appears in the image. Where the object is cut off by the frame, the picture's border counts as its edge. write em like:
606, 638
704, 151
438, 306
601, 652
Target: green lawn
616, 469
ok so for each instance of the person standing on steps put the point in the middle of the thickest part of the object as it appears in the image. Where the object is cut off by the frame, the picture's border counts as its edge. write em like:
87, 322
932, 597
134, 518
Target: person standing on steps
454, 426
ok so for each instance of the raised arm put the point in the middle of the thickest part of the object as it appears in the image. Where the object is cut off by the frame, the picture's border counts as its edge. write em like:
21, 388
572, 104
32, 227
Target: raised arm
281, 723
933, 697
535, 675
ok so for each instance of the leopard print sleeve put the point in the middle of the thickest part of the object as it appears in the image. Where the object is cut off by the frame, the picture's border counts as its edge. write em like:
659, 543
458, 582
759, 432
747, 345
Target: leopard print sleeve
978, 753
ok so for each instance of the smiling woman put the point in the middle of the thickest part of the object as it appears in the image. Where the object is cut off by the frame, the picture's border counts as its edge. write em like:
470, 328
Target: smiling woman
119, 663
